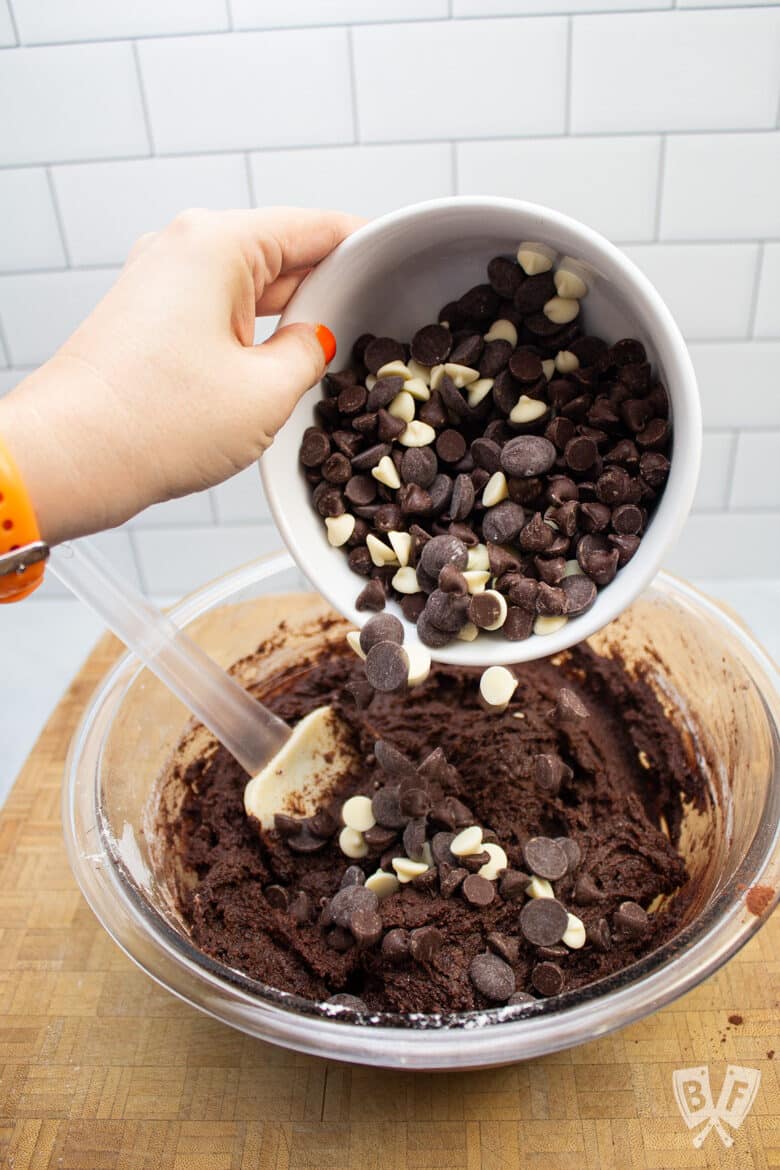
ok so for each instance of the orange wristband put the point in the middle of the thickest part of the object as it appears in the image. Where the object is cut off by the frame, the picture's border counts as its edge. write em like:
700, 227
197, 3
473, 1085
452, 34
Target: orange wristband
18, 528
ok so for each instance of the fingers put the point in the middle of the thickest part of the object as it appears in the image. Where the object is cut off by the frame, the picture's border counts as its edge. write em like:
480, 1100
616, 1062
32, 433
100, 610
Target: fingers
276, 296
285, 367
140, 246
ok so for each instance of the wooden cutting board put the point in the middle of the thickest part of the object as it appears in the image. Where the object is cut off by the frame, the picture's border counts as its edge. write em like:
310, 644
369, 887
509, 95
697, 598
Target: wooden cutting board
100, 1069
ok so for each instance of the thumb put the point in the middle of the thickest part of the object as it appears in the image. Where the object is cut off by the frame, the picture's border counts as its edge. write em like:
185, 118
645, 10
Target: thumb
287, 365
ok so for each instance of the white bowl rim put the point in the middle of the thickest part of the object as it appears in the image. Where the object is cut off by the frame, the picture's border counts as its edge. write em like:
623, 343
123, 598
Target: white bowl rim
341, 586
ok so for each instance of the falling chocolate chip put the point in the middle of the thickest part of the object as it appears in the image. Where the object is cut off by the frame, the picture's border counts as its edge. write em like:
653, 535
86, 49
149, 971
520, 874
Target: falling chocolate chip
385, 627
547, 978
492, 977
544, 857
569, 707
543, 921
478, 891
372, 597
387, 666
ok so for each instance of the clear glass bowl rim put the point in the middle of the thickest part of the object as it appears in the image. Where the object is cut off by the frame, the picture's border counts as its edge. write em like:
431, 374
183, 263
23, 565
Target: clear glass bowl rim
460, 1040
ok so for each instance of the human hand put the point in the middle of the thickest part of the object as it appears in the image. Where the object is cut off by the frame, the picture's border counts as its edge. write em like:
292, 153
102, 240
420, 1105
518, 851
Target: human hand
161, 392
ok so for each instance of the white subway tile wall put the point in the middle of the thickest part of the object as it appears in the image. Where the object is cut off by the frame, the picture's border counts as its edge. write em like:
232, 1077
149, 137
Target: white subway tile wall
658, 127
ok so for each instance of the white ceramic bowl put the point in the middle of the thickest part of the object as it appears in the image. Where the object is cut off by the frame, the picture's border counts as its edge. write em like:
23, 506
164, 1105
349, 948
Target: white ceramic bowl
392, 277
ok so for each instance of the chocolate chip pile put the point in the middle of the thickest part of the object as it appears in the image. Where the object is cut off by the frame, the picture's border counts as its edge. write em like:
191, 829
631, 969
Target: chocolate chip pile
496, 472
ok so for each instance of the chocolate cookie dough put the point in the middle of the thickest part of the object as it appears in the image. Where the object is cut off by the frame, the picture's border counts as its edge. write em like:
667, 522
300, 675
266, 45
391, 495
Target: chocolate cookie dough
535, 847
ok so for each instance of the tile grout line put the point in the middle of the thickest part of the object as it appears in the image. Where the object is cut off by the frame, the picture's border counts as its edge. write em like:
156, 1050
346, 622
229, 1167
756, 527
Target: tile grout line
213, 507
258, 148
353, 85
14, 26
756, 293
250, 182
732, 466
144, 103
60, 220
569, 66
659, 191
454, 178
231, 23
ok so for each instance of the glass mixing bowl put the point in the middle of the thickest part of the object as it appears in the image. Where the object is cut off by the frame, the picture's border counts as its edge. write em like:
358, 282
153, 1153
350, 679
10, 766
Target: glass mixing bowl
719, 686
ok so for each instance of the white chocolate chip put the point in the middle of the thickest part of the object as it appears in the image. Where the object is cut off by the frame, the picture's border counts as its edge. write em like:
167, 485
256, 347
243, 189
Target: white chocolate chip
394, 369
502, 609
549, 625
386, 472
502, 330
407, 869
498, 861
468, 632
467, 841
402, 406
476, 579
461, 375
497, 685
496, 490
417, 434
539, 888
535, 258
418, 370
340, 528
548, 368
572, 569
419, 663
356, 814
569, 283
353, 641
574, 935
437, 376
383, 884
380, 553
561, 310
566, 362
418, 389
405, 580
478, 557
352, 843
479, 390
527, 410
402, 543
370, 382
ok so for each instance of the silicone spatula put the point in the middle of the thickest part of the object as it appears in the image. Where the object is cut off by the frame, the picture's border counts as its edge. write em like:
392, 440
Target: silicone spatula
290, 768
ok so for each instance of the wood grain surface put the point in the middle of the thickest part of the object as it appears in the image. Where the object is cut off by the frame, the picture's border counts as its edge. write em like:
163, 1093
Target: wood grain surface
101, 1069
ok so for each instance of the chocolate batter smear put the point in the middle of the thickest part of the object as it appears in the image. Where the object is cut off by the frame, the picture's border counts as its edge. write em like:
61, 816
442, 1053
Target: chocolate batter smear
256, 904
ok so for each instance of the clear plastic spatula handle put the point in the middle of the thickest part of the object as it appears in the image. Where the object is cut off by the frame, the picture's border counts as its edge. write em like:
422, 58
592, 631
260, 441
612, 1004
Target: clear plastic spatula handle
250, 732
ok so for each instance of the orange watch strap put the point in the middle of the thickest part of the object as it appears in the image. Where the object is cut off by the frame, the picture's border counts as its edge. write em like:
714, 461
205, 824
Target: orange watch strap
18, 527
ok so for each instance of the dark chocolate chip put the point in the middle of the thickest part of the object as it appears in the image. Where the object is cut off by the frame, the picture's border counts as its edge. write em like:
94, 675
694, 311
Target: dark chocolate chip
486, 454
478, 891
494, 358
414, 836
485, 610
338, 938
441, 551
547, 978
378, 838
544, 857
492, 977
450, 446
412, 605
586, 892
502, 523
631, 920
473, 862
505, 276
468, 350
627, 520
528, 455
569, 707
315, 447
414, 501
502, 560
453, 399
550, 600
388, 427
361, 691
360, 489
415, 802
504, 946
451, 580
525, 365
386, 807
572, 851
597, 559
521, 997
381, 351
432, 412
654, 468
300, 907
513, 885
385, 627
550, 773
440, 845
305, 841
463, 498
451, 877
447, 611
519, 624
580, 453
277, 897
391, 760
598, 935
543, 921
521, 591
537, 537
383, 392
365, 926
395, 945
534, 293
440, 492
346, 901
323, 823
328, 500
431, 345
480, 303
370, 458
429, 635
425, 943
594, 517
353, 876
352, 399
626, 547
372, 597
580, 593
550, 569
419, 466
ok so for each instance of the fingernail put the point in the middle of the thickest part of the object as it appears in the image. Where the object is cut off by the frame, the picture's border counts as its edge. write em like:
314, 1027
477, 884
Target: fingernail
327, 341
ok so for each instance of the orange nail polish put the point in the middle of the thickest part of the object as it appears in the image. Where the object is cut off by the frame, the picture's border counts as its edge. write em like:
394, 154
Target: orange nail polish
327, 341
